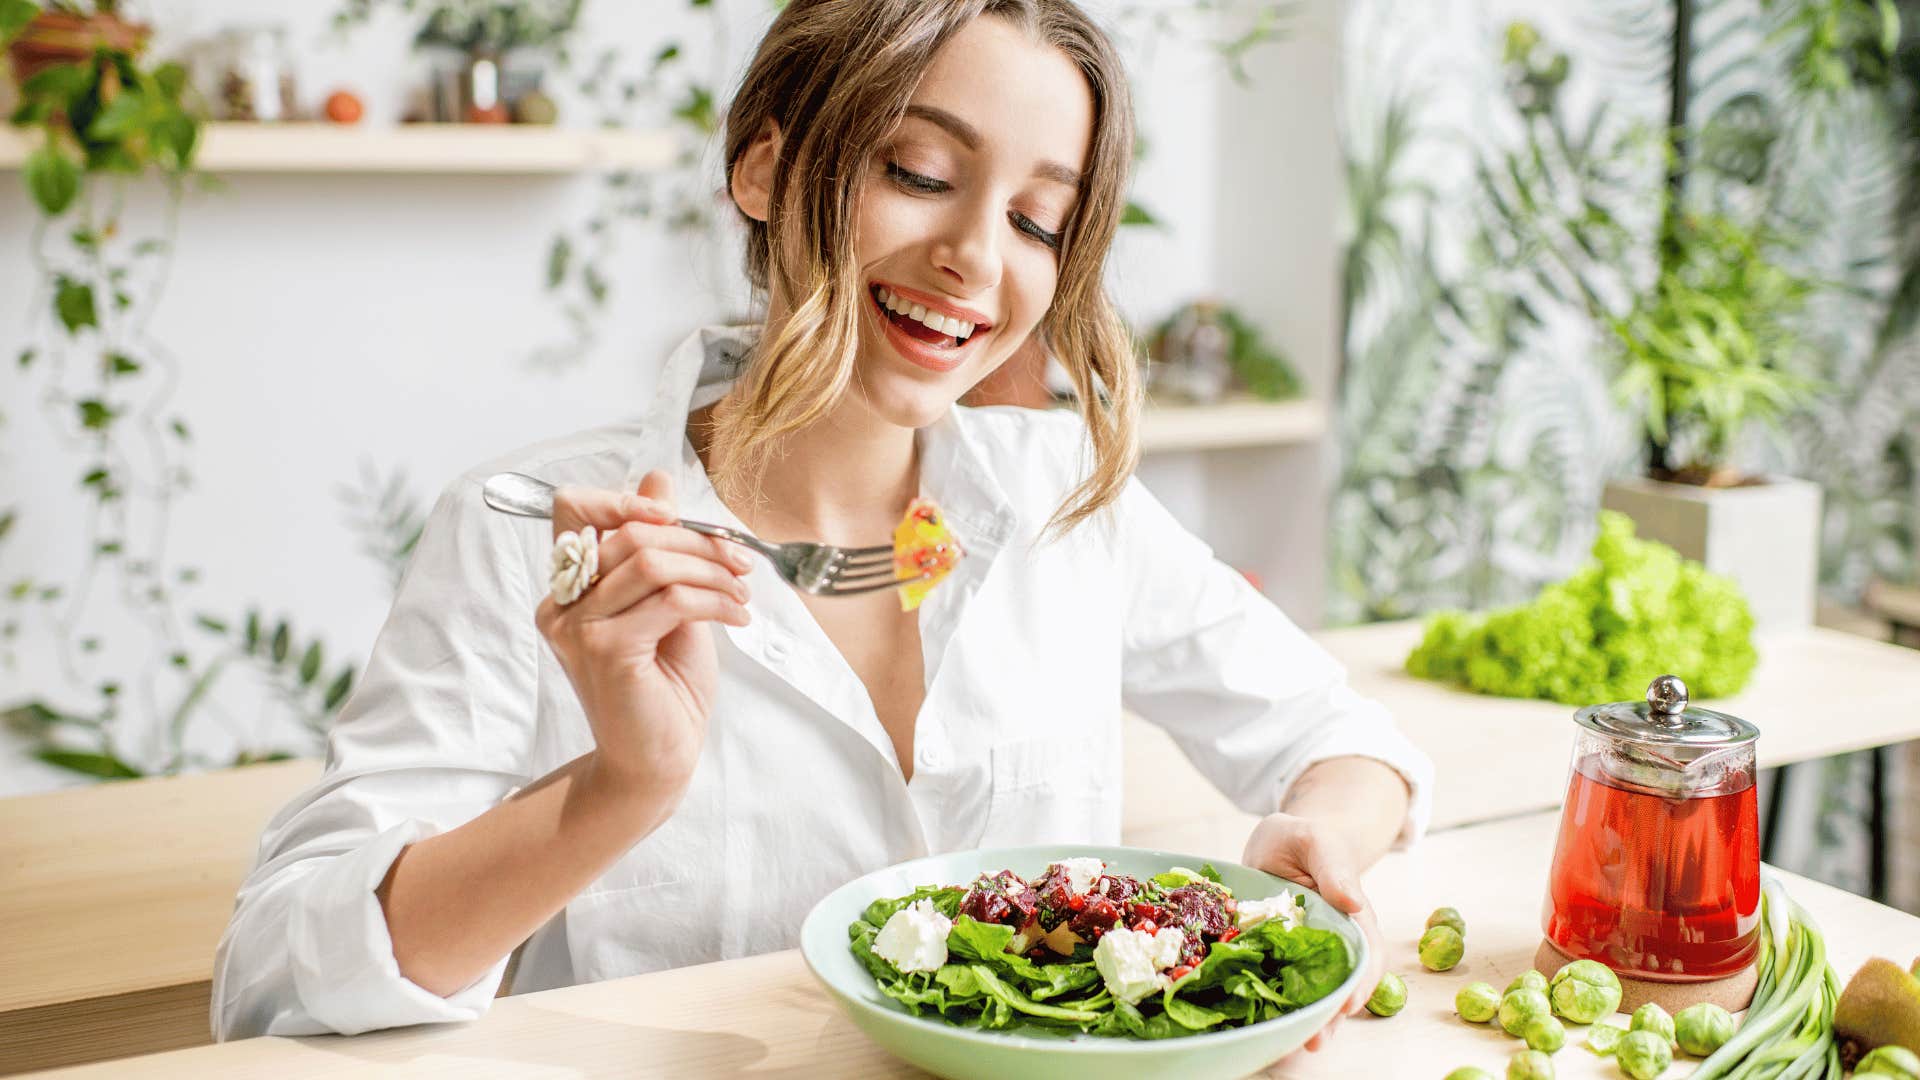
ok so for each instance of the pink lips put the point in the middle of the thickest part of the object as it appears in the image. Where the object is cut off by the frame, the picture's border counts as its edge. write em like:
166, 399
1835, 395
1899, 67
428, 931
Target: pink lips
919, 352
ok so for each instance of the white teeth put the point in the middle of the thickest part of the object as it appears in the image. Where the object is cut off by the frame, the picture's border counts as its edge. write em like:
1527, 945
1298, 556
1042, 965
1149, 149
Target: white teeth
946, 324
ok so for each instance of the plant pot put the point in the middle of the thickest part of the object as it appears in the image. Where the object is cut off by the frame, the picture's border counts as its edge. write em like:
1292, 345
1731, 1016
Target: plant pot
54, 37
1765, 536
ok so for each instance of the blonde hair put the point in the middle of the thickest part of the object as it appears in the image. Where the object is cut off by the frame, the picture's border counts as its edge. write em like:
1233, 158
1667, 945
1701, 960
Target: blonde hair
836, 76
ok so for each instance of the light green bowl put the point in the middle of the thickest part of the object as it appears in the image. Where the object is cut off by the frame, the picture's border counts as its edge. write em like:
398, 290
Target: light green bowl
1018, 1053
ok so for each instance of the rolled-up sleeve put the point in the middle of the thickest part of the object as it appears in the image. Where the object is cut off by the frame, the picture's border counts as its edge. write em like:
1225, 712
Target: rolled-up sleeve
1248, 697
438, 730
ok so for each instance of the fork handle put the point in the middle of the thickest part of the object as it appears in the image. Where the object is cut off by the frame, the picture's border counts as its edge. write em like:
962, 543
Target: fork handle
735, 535
530, 496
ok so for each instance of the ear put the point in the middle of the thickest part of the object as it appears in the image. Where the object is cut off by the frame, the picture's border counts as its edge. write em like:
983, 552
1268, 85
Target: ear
752, 180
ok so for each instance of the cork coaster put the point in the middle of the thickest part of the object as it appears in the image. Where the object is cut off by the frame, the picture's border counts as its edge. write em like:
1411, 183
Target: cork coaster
1732, 993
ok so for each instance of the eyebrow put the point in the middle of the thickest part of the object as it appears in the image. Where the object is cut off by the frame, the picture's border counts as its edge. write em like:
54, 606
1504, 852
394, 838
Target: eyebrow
969, 136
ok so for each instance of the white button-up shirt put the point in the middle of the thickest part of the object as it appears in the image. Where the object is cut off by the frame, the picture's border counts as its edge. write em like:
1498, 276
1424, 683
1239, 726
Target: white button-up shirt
1031, 652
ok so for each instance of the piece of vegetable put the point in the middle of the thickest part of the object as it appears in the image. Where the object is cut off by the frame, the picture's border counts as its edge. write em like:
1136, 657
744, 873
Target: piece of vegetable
1897, 1062
1447, 916
1787, 1033
1441, 948
1701, 1029
1544, 1033
1477, 1003
1643, 1055
1634, 611
1468, 1072
1520, 1006
1529, 1065
1530, 979
1604, 1039
1389, 995
1651, 1017
1584, 991
1879, 1007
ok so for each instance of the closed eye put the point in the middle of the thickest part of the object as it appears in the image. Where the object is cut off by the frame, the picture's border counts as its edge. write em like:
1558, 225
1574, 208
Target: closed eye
927, 185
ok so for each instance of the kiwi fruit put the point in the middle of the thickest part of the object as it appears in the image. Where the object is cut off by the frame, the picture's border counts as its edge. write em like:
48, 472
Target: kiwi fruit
1879, 1007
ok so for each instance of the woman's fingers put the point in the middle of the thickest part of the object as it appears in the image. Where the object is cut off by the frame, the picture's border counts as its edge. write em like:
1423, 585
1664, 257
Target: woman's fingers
650, 570
575, 506
676, 605
621, 544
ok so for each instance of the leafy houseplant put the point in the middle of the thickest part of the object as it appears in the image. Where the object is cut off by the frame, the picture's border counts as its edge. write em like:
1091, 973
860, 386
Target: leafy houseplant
105, 117
1711, 348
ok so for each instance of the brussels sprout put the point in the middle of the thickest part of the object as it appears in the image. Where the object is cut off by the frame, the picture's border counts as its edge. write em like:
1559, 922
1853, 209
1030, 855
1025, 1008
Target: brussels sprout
1584, 991
1521, 1006
1441, 947
1477, 1003
1530, 979
1468, 1072
1603, 1039
1701, 1029
1389, 995
1544, 1033
1643, 1055
1651, 1017
1529, 1065
1891, 1061
1447, 916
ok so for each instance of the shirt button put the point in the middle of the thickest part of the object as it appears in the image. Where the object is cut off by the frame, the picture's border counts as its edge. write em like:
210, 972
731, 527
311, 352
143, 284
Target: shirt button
776, 650
932, 758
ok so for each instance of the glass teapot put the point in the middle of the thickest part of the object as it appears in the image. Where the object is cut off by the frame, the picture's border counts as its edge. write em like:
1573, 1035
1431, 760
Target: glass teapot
1656, 872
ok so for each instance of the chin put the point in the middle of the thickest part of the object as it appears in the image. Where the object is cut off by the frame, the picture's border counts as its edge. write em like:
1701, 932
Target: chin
910, 405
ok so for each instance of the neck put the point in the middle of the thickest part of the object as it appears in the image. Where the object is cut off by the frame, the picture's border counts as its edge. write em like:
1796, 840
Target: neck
842, 480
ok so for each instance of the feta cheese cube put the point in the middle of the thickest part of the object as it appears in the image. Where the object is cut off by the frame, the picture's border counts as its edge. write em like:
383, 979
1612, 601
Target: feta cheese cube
1134, 964
1283, 907
1081, 874
915, 938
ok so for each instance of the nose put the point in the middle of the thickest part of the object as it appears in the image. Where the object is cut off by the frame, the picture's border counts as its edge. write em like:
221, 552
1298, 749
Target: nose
967, 248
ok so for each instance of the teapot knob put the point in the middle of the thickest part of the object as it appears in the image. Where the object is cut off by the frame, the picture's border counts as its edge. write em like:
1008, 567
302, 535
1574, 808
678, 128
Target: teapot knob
1667, 696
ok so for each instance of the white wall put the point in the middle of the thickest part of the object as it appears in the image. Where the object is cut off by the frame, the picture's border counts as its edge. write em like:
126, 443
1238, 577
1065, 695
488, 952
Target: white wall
324, 321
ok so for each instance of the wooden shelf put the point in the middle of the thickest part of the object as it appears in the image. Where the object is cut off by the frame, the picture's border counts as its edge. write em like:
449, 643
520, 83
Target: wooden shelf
409, 148
1230, 424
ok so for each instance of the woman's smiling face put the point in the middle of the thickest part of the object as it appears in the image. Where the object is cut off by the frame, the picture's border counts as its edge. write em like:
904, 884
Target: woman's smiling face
962, 214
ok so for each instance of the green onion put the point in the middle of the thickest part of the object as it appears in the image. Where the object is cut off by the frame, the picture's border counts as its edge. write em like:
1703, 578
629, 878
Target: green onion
1788, 1030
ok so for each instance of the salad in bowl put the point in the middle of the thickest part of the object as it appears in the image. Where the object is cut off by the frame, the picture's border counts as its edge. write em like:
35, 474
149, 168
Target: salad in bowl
1052, 961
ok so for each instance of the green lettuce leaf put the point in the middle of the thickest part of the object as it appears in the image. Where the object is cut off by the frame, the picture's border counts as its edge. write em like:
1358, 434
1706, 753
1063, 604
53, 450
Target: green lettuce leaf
945, 898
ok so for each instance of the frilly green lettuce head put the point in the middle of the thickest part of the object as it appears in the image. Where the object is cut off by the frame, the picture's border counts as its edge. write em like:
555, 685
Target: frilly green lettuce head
1584, 991
1633, 611
1643, 1055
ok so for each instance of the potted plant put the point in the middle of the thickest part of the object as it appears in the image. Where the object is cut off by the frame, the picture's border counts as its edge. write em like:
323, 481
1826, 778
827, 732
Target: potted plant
64, 32
1709, 351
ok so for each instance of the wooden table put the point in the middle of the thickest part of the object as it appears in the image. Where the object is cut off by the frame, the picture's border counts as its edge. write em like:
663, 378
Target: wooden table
765, 1015
112, 899
1816, 692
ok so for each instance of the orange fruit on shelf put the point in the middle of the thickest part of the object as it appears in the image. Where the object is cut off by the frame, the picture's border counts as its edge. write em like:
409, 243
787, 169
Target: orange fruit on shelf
344, 107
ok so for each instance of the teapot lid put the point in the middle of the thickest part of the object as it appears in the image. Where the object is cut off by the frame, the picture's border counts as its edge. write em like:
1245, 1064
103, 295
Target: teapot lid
1665, 719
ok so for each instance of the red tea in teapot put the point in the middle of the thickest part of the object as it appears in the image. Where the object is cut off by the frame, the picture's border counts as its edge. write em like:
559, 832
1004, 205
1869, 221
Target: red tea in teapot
1654, 885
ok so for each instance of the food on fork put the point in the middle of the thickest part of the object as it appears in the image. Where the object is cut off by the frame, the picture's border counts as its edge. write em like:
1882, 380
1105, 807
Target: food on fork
924, 549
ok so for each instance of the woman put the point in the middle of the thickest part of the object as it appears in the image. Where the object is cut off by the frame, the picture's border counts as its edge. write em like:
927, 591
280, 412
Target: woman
616, 784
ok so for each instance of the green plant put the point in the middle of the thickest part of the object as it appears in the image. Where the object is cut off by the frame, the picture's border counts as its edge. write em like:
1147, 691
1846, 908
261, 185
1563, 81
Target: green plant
102, 123
1634, 611
477, 25
1712, 347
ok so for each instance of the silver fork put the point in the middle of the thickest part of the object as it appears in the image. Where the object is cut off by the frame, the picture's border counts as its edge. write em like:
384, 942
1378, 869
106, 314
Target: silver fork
819, 569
